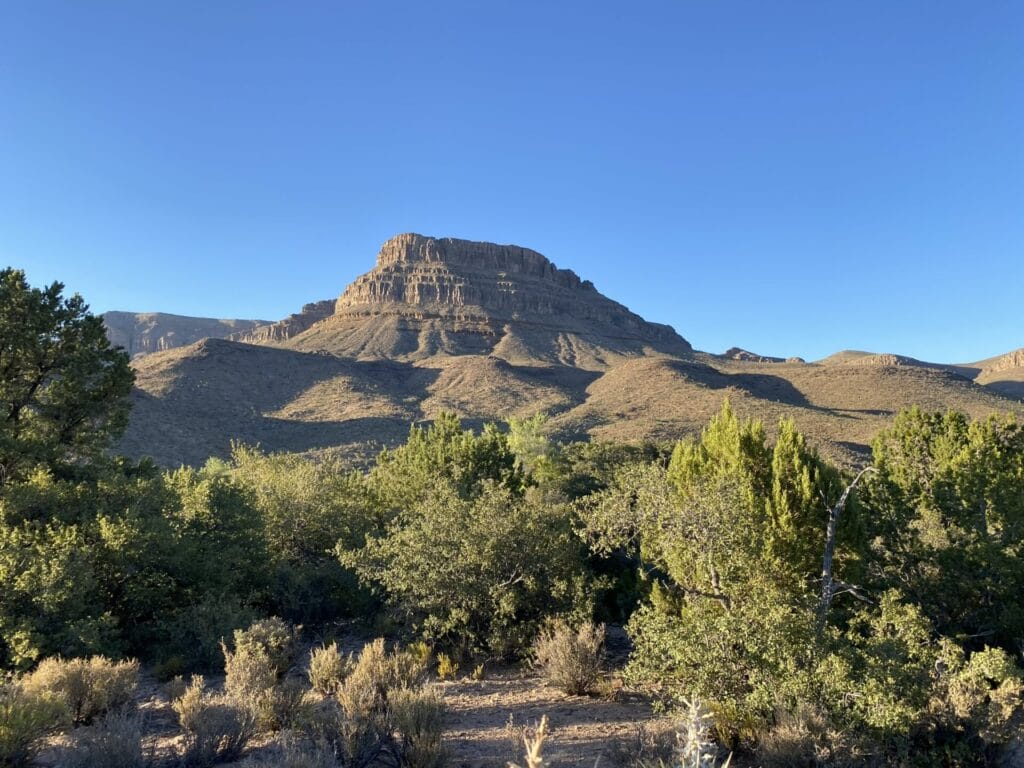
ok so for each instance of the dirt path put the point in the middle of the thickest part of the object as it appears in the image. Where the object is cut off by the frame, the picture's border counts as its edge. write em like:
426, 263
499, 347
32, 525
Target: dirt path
479, 733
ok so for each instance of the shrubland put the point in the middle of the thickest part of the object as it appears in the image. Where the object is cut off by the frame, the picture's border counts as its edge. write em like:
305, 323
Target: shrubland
817, 622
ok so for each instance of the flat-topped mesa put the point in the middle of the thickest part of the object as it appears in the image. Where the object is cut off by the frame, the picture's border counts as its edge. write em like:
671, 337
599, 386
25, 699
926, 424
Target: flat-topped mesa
411, 248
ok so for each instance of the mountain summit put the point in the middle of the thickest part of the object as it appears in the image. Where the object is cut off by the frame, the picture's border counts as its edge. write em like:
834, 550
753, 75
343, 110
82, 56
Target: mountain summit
432, 296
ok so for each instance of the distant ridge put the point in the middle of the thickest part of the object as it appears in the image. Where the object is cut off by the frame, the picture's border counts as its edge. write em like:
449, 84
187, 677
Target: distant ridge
142, 333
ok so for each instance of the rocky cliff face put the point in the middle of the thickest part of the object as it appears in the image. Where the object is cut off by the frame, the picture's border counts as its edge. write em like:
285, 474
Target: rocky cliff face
292, 325
429, 296
141, 333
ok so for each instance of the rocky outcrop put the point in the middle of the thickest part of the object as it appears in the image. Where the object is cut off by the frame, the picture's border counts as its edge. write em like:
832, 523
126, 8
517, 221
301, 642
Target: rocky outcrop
292, 325
1009, 361
141, 333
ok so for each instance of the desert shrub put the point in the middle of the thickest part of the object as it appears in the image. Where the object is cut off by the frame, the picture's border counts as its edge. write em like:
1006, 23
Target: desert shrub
417, 716
115, 741
51, 601
444, 452
328, 668
215, 728
188, 703
651, 743
375, 674
478, 575
248, 673
570, 659
420, 651
274, 637
447, 667
379, 712
285, 705
26, 717
87, 687
296, 754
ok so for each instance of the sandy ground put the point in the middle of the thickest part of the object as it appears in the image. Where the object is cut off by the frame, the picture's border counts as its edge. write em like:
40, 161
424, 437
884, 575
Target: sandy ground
483, 723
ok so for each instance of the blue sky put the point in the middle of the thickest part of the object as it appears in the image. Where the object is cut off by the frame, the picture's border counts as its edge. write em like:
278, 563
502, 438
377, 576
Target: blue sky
791, 177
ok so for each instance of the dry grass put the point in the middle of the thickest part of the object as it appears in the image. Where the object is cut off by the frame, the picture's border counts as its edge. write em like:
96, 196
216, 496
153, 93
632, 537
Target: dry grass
570, 659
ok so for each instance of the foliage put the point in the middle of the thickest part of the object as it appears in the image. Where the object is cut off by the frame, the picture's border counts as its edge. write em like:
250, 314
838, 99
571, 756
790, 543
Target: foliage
215, 729
274, 637
947, 519
444, 453
88, 688
26, 717
63, 388
478, 574
328, 668
570, 659
381, 713
447, 667
306, 508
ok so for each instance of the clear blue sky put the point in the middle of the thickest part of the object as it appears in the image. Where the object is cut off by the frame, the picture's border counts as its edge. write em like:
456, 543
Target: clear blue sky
791, 177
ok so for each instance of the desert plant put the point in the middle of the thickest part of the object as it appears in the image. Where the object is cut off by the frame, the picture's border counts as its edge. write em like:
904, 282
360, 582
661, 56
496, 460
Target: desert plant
188, 703
215, 728
300, 755
88, 687
478, 673
570, 659
249, 672
26, 718
277, 640
284, 705
115, 741
420, 651
447, 667
417, 716
376, 673
328, 668
533, 742
694, 748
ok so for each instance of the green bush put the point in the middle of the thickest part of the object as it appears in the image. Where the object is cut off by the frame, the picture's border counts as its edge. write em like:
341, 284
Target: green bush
479, 575
88, 688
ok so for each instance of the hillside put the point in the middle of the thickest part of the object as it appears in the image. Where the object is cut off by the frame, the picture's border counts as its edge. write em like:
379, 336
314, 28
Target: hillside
142, 333
495, 331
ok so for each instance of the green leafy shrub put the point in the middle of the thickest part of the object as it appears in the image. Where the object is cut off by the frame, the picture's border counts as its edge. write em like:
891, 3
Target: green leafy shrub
479, 575
87, 687
570, 659
26, 717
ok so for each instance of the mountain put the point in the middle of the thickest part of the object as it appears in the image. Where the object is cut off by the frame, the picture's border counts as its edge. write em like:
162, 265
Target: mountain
428, 297
493, 331
141, 333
